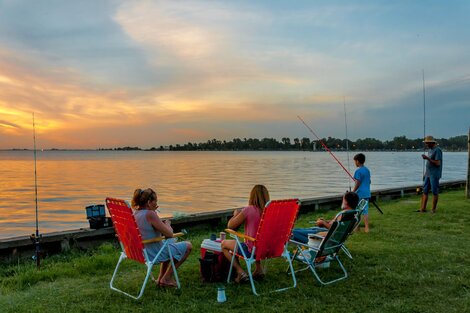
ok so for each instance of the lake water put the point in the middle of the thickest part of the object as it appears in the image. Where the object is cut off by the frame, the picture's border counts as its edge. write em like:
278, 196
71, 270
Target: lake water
185, 181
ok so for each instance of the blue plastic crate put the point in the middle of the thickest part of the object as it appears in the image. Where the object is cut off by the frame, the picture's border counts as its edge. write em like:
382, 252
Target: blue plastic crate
96, 210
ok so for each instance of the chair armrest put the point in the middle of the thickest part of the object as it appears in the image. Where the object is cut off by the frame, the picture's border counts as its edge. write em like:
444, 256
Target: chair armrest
304, 245
318, 235
157, 239
235, 233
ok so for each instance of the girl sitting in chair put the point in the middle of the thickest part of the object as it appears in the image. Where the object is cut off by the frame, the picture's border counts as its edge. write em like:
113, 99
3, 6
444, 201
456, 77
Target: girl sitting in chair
151, 226
250, 216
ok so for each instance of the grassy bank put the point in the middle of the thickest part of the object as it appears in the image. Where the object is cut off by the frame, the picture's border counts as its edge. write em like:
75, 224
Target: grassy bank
410, 262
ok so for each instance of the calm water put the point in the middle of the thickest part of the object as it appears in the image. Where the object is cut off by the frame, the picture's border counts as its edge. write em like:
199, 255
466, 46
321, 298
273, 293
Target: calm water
185, 181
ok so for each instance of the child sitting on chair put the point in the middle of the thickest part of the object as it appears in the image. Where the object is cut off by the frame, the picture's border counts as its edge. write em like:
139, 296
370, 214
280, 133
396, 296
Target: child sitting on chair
350, 201
151, 226
250, 216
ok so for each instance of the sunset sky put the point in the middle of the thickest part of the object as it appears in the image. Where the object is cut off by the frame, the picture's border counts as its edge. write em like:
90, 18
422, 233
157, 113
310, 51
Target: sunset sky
100, 74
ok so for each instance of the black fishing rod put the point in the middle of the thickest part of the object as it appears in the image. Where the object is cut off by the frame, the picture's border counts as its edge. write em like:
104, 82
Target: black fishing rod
336, 159
424, 124
347, 140
35, 238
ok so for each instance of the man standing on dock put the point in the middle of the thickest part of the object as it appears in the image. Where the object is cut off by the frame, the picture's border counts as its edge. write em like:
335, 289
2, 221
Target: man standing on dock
432, 173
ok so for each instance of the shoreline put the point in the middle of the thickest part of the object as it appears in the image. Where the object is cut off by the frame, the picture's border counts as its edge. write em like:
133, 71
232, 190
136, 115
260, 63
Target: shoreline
84, 238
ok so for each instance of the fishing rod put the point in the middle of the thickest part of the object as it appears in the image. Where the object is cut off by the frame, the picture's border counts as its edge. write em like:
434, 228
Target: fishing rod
326, 148
424, 124
36, 237
347, 140
334, 157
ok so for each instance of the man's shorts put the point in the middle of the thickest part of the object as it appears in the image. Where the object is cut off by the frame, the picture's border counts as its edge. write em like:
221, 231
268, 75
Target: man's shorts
431, 182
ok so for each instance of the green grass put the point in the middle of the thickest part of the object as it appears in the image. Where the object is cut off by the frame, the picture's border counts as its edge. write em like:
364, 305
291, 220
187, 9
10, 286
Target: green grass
410, 262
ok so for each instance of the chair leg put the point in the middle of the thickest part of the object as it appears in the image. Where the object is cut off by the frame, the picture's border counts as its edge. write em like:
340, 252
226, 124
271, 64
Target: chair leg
285, 255
149, 272
298, 252
249, 262
174, 268
142, 289
231, 266
345, 274
291, 266
122, 257
346, 251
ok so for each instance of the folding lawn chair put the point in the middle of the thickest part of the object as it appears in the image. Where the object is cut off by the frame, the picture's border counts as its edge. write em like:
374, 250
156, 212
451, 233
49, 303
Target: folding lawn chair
329, 247
359, 208
132, 244
272, 237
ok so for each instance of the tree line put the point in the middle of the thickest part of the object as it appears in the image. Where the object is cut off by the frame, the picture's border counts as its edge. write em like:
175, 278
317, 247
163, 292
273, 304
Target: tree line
400, 143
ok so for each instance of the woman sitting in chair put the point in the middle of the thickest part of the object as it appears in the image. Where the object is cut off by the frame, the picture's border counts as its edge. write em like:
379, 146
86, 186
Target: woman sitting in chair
151, 226
250, 216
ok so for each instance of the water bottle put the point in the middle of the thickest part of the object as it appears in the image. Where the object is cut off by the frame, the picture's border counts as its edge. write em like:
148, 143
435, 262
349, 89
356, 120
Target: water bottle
221, 294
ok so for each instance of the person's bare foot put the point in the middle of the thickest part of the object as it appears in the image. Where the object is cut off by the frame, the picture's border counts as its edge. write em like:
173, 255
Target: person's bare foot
156, 281
241, 277
168, 283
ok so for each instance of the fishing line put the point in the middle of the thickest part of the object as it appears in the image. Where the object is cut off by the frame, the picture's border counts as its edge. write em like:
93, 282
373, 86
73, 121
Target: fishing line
347, 140
334, 157
326, 148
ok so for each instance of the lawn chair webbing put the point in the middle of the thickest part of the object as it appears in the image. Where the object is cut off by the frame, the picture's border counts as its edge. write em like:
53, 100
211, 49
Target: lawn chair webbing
126, 229
275, 228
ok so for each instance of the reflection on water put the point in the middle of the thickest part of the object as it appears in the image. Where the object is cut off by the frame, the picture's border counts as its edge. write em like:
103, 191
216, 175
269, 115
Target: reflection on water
185, 181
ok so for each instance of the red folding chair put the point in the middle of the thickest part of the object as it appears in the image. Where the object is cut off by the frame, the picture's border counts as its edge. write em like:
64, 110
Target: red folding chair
272, 237
132, 244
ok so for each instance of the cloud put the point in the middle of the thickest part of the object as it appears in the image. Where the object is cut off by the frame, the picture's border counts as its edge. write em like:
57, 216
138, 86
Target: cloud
160, 72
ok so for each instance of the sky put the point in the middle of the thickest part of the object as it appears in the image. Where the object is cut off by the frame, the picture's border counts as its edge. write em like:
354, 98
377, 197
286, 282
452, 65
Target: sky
104, 74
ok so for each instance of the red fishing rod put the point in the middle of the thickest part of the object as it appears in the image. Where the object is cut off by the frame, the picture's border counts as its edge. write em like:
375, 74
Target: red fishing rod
334, 157
326, 148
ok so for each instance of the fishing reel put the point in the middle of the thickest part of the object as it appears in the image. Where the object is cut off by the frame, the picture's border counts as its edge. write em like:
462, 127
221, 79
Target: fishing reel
35, 238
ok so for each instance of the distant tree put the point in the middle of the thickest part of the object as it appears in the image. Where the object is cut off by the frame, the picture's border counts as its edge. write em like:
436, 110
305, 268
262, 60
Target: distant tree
296, 143
305, 143
368, 144
458, 143
286, 142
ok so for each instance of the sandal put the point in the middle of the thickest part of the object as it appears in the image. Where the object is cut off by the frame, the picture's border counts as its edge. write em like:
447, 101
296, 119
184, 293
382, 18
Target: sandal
241, 278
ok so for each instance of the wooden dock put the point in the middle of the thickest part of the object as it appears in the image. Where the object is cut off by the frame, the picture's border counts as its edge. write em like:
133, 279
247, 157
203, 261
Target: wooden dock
19, 247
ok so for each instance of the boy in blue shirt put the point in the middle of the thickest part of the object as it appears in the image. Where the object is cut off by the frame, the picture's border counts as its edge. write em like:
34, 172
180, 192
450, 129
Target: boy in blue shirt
362, 187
